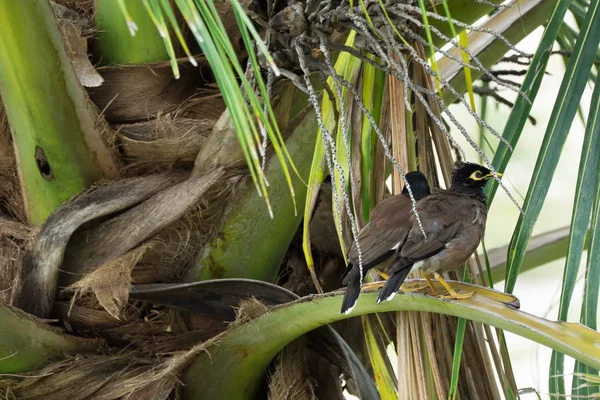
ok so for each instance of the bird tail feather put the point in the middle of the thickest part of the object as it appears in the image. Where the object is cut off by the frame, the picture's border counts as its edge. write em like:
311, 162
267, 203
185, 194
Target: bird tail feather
392, 285
351, 296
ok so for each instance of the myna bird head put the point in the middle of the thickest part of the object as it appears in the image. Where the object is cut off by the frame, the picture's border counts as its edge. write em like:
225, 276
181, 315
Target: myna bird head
418, 185
470, 177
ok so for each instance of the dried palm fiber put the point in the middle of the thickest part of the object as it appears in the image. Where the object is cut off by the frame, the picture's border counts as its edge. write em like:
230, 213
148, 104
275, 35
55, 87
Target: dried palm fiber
90, 377
11, 202
129, 373
84, 8
15, 239
174, 247
102, 252
111, 281
163, 141
290, 378
207, 104
15, 235
169, 140
90, 319
36, 290
75, 29
178, 245
248, 310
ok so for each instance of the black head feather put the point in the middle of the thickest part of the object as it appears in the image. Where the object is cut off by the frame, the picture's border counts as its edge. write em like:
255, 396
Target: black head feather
470, 177
418, 185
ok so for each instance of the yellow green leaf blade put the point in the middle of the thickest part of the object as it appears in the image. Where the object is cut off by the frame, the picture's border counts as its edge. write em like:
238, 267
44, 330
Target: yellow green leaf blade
384, 381
245, 351
26, 343
464, 41
345, 66
58, 143
561, 118
585, 194
434, 64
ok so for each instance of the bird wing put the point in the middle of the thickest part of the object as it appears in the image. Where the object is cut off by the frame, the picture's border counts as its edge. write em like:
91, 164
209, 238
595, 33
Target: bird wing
388, 227
443, 216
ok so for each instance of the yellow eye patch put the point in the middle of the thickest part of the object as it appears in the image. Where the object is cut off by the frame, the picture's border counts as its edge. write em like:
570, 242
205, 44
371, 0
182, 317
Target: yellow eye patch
478, 175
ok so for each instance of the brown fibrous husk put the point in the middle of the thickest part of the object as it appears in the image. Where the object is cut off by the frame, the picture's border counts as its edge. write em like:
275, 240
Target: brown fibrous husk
15, 239
248, 310
85, 8
111, 282
163, 142
290, 380
11, 201
140, 372
178, 245
165, 257
97, 377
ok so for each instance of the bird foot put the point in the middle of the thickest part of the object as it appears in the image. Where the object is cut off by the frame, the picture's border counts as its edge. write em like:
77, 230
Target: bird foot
412, 287
452, 294
457, 296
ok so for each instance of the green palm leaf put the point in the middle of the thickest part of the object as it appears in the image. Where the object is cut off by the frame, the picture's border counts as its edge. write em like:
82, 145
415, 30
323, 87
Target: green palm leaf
557, 131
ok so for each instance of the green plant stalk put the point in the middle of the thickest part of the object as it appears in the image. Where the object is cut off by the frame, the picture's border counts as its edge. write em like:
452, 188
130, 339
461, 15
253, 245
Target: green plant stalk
384, 381
461, 326
565, 40
344, 64
211, 35
373, 86
250, 244
59, 149
116, 45
582, 209
348, 67
483, 115
155, 12
563, 113
492, 53
25, 343
234, 367
432, 60
469, 12
488, 266
591, 292
464, 41
507, 377
456, 357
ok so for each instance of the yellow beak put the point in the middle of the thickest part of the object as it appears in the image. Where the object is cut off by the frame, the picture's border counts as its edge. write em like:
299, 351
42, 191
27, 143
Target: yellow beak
490, 175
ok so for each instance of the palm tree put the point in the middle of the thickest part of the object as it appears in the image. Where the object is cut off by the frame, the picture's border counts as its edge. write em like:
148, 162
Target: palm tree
177, 173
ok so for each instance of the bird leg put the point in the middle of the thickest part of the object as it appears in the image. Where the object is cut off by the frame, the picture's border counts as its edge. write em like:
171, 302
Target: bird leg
382, 274
418, 286
405, 289
453, 294
433, 289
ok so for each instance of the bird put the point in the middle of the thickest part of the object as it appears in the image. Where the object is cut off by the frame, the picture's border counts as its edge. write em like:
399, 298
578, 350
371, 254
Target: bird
379, 239
454, 223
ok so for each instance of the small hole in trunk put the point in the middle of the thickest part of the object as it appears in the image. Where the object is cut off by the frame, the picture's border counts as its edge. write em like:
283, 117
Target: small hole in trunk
43, 164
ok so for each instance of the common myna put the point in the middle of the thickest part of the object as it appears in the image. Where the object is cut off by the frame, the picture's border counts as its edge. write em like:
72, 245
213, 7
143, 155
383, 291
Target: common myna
454, 222
380, 238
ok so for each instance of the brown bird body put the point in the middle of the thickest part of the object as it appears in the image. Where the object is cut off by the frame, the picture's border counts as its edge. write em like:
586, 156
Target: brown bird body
379, 240
455, 235
454, 223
